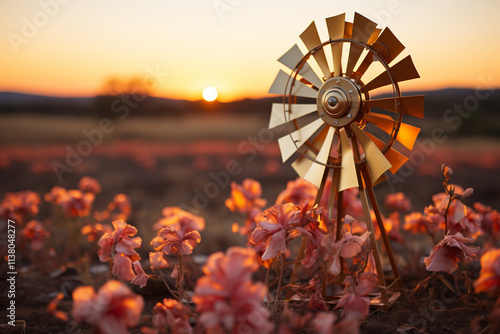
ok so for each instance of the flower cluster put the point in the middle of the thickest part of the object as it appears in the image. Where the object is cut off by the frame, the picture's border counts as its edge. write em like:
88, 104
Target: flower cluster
489, 277
347, 247
227, 298
171, 317
354, 300
111, 310
176, 239
17, 206
175, 215
118, 209
275, 226
35, 233
119, 245
179, 232
246, 199
448, 252
73, 202
299, 192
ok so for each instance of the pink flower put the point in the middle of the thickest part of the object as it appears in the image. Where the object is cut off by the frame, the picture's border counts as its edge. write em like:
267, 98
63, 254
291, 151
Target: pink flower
323, 322
489, 278
489, 219
464, 194
274, 227
89, 185
316, 300
173, 215
245, 197
447, 171
95, 231
76, 204
35, 234
111, 310
315, 236
120, 206
348, 247
54, 195
158, 261
469, 226
397, 202
121, 240
299, 192
226, 297
171, 317
141, 279
174, 240
460, 218
391, 226
122, 267
354, 301
419, 223
448, 252
18, 205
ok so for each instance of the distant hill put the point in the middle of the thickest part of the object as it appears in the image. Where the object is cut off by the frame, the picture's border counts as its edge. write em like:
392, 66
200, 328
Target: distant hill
484, 121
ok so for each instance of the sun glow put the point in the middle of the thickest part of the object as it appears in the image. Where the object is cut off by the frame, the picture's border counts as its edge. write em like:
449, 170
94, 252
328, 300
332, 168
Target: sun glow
210, 94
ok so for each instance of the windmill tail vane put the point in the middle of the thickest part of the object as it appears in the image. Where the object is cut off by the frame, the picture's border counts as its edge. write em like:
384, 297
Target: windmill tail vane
335, 128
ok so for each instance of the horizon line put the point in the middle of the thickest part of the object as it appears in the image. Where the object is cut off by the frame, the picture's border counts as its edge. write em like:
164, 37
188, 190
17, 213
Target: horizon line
67, 96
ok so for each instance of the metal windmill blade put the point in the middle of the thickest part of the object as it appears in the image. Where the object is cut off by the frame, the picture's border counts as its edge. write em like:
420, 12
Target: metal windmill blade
336, 131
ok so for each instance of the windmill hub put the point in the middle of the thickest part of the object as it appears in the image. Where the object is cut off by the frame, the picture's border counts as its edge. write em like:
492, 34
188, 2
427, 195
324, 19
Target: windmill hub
338, 101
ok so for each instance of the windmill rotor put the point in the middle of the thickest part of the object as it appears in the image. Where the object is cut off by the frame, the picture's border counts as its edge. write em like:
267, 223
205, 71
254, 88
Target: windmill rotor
342, 100
332, 121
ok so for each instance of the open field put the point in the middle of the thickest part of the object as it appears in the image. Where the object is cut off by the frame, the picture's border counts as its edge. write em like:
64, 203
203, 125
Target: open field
159, 163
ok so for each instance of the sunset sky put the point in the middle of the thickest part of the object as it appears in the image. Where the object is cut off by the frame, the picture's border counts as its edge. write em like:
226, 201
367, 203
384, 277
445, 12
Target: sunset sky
77, 45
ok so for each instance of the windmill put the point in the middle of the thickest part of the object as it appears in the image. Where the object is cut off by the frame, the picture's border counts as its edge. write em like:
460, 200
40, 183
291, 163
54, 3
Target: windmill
335, 127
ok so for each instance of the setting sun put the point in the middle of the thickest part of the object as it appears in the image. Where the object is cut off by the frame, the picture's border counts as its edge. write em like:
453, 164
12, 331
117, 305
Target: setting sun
210, 94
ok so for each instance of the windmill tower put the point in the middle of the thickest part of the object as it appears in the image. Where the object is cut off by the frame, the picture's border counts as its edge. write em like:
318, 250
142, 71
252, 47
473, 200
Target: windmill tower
334, 126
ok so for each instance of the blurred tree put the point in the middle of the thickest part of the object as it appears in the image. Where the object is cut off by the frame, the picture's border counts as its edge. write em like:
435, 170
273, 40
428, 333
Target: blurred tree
123, 98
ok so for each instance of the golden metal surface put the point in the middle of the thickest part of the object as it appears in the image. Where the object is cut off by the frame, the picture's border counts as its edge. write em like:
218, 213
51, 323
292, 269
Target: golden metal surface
402, 71
348, 103
362, 30
407, 134
396, 158
348, 177
387, 46
347, 29
377, 162
300, 136
296, 111
315, 173
292, 57
374, 36
410, 105
299, 89
369, 223
335, 25
302, 164
311, 39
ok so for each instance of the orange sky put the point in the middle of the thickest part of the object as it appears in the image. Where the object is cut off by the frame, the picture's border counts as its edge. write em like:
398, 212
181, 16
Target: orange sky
76, 46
